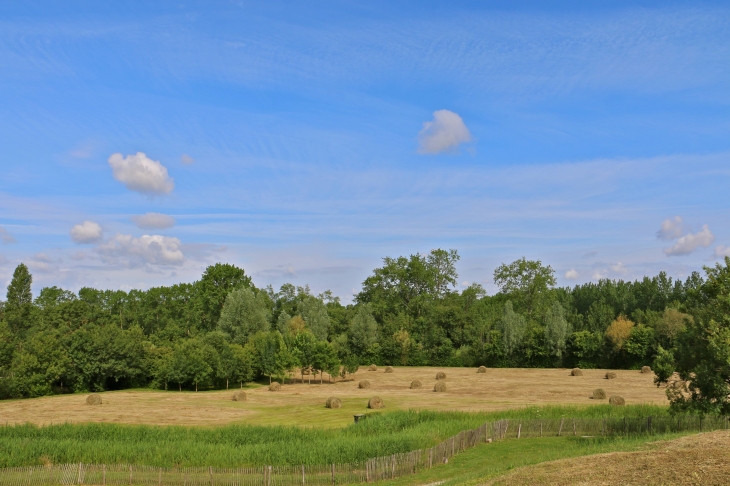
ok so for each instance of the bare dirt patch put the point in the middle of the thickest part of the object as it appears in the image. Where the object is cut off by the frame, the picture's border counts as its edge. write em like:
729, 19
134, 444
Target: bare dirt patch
301, 403
700, 459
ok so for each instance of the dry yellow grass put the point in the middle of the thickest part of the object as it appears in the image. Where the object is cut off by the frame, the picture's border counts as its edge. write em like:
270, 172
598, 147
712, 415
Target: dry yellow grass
301, 403
700, 459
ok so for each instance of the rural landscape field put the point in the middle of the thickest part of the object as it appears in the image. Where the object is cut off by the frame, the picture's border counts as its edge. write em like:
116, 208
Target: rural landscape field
408, 243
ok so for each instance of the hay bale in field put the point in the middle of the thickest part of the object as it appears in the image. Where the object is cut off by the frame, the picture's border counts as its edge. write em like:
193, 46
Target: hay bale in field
646, 369
93, 399
482, 369
372, 368
440, 375
610, 375
617, 400
239, 396
376, 402
599, 394
415, 385
364, 384
576, 372
439, 387
333, 402
275, 386
388, 369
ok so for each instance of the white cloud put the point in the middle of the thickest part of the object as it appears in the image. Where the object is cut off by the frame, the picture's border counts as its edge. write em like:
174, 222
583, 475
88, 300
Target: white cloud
131, 252
671, 229
571, 274
6, 237
446, 132
186, 159
86, 232
690, 242
42, 263
722, 251
141, 174
619, 268
153, 221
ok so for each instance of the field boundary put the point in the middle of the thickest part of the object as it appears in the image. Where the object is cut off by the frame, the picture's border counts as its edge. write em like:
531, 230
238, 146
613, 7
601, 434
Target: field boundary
375, 469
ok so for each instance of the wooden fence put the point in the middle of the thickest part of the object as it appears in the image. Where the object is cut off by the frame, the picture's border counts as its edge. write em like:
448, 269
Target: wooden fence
375, 469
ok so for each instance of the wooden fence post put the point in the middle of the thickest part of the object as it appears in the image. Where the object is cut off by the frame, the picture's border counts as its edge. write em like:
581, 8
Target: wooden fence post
78, 479
130, 474
210, 472
159, 477
561, 426
333, 474
302, 473
519, 430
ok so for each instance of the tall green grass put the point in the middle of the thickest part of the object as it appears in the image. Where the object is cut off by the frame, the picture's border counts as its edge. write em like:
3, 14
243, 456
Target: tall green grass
242, 445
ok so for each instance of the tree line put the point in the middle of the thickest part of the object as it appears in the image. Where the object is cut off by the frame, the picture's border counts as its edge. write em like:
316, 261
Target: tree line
223, 331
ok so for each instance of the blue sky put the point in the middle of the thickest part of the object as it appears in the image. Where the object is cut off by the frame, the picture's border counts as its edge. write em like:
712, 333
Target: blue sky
289, 138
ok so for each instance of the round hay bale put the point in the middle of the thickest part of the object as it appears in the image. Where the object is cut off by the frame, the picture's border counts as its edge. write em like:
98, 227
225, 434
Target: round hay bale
440, 375
239, 396
646, 369
439, 387
576, 372
93, 399
364, 384
617, 400
599, 394
376, 402
333, 402
388, 369
415, 385
372, 368
275, 386
482, 369
610, 375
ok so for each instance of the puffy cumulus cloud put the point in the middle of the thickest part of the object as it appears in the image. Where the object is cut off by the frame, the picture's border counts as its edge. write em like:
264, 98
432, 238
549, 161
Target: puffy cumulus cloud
445, 132
690, 242
186, 159
128, 251
86, 232
722, 251
571, 274
619, 268
671, 229
6, 237
153, 221
141, 174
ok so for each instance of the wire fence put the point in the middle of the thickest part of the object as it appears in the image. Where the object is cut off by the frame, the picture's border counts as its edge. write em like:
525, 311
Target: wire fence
375, 469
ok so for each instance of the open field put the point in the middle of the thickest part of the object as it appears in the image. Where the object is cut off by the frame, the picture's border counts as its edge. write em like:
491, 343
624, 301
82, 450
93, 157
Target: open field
697, 459
303, 404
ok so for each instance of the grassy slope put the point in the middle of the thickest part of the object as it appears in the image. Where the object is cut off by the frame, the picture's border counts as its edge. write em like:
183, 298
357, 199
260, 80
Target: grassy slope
490, 460
231, 446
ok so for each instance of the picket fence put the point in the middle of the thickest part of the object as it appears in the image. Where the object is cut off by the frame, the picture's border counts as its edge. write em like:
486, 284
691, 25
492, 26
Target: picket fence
375, 469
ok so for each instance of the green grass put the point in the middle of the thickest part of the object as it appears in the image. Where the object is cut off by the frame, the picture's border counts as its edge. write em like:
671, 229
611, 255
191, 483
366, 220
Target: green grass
241, 445
490, 460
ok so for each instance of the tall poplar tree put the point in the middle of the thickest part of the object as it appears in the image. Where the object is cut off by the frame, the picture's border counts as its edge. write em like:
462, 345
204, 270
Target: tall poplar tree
19, 300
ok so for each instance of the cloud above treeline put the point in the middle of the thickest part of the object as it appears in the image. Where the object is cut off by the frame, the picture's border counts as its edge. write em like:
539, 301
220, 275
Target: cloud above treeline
691, 242
141, 174
153, 221
5, 236
671, 229
86, 232
443, 134
131, 252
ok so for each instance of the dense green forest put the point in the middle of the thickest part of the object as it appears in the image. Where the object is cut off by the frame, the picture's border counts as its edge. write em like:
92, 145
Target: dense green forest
222, 331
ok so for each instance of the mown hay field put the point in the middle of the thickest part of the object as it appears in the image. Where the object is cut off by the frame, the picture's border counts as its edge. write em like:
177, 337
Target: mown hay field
304, 404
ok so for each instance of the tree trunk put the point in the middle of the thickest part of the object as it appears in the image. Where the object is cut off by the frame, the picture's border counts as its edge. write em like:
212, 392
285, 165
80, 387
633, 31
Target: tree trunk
226, 383
196, 386
179, 386
269, 379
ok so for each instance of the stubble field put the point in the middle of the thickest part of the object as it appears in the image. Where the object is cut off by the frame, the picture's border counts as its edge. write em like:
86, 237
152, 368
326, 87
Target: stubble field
303, 403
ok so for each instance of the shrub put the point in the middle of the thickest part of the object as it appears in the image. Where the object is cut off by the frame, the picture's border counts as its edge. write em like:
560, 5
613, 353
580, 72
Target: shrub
364, 384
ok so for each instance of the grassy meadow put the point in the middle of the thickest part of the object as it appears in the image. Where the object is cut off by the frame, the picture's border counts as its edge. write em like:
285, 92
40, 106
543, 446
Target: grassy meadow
241, 445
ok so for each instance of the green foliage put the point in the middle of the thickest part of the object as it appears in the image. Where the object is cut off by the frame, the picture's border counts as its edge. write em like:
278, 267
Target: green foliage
244, 314
525, 281
363, 332
513, 328
315, 315
215, 285
556, 329
17, 307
